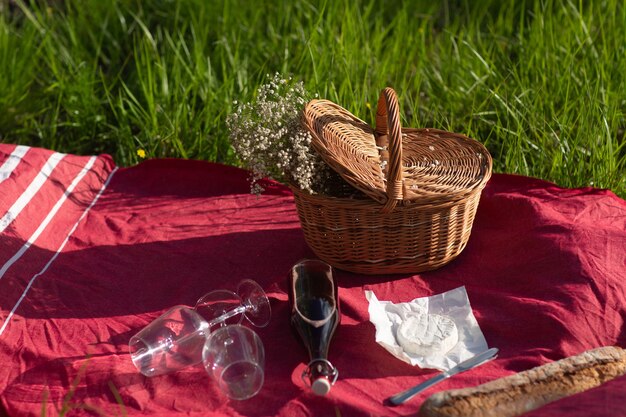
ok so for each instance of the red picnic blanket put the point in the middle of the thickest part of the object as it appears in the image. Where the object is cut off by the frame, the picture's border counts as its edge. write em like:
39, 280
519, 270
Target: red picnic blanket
90, 254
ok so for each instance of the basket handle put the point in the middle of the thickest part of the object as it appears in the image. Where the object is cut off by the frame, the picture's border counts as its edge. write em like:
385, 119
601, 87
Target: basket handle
388, 123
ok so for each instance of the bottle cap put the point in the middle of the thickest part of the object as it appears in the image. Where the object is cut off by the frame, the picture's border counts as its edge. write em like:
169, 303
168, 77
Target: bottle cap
321, 386
320, 375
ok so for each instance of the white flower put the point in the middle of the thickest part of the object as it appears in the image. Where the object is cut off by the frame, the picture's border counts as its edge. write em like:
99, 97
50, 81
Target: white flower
269, 139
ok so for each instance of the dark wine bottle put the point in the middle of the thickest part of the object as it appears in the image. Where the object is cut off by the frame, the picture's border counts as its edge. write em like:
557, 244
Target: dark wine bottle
315, 316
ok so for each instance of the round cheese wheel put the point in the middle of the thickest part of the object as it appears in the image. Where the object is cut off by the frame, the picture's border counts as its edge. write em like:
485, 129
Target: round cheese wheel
427, 334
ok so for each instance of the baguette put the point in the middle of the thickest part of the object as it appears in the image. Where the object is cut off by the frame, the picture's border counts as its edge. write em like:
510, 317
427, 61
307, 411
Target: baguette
525, 391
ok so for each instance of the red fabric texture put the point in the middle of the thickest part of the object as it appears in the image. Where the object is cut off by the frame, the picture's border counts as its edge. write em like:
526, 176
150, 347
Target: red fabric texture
545, 272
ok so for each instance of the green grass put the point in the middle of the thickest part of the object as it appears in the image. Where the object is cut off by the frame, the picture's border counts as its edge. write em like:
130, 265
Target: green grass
541, 83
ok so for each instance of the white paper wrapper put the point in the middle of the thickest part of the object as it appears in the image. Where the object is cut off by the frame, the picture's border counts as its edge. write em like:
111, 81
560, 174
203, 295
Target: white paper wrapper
387, 317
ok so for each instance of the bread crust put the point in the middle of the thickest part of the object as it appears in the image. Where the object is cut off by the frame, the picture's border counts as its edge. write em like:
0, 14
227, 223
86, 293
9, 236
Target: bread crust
525, 391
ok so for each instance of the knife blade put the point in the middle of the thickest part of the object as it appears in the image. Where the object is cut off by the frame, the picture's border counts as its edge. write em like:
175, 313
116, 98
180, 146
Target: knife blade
468, 364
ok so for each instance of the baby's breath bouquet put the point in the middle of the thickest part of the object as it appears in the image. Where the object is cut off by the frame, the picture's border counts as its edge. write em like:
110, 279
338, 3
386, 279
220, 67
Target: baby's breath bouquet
269, 139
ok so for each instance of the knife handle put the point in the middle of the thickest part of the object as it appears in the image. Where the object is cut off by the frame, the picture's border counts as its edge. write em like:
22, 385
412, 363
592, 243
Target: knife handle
413, 391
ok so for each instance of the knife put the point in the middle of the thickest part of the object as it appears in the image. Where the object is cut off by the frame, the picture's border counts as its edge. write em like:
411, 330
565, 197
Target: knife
470, 363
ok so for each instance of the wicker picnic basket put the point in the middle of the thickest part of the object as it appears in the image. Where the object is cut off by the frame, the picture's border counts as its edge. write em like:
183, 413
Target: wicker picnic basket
420, 188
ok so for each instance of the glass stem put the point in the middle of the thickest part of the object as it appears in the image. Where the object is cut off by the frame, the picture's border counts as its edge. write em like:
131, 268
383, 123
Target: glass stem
228, 314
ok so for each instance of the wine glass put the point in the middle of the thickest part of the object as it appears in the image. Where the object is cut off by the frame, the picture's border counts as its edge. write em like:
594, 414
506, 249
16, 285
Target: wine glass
224, 307
175, 340
234, 357
170, 343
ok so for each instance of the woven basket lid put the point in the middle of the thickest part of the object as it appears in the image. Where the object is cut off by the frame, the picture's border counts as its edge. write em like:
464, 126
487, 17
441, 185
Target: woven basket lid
394, 165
